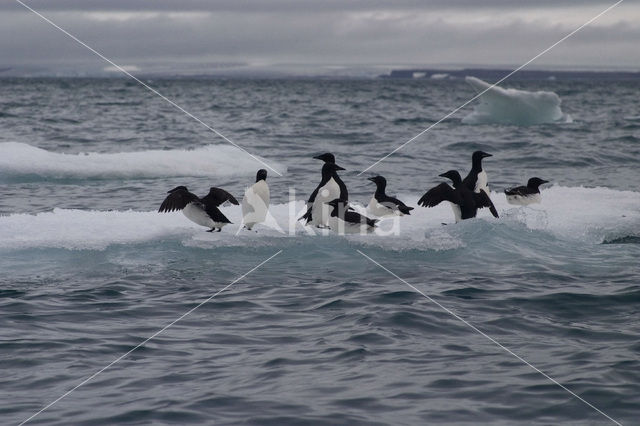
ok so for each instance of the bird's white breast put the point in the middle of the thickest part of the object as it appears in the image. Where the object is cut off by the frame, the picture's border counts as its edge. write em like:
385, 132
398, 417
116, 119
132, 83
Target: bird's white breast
320, 212
457, 211
482, 182
255, 203
380, 210
195, 213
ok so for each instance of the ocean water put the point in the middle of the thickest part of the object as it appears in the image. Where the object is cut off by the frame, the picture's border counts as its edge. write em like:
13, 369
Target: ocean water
319, 334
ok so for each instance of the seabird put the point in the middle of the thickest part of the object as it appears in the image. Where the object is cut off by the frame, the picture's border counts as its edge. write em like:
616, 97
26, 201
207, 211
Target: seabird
329, 188
476, 180
525, 195
203, 211
255, 203
383, 205
464, 202
343, 220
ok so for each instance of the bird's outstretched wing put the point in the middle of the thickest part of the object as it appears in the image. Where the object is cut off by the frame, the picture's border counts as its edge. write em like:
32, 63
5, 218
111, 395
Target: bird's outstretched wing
438, 194
217, 196
483, 200
177, 200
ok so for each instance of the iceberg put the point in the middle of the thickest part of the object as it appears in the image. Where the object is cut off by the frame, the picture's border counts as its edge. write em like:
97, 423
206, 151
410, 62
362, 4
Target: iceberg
513, 106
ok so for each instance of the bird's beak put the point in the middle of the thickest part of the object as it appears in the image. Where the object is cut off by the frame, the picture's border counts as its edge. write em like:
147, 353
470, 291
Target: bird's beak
318, 157
339, 168
371, 179
544, 181
487, 155
443, 175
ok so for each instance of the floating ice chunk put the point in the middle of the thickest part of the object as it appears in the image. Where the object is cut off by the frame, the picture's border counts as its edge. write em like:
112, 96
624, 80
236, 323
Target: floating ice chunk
512, 106
19, 159
573, 215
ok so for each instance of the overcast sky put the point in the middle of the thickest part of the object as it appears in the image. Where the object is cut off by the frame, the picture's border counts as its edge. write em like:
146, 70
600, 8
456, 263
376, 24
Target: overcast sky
143, 34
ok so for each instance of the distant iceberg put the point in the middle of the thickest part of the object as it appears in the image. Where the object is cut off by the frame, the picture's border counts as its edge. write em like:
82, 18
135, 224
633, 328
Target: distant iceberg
512, 106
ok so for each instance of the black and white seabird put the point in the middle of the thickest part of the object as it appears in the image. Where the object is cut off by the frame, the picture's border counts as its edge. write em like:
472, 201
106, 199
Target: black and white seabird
464, 202
203, 211
255, 203
477, 179
525, 195
382, 205
329, 188
343, 220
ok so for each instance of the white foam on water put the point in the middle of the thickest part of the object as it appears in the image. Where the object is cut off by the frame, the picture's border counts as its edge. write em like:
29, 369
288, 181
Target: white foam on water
512, 106
582, 215
211, 160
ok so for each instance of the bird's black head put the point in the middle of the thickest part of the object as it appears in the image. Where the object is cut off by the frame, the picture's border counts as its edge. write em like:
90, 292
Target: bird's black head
327, 157
378, 180
535, 182
261, 175
479, 155
453, 175
178, 188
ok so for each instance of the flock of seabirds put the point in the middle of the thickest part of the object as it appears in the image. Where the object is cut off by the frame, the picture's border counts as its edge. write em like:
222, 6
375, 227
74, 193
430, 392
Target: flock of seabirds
328, 205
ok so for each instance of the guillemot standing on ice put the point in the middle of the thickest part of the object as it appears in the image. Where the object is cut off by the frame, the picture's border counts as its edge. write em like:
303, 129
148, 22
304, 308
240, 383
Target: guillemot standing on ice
203, 211
464, 202
525, 195
383, 205
255, 203
477, 179
343, 220
329, 188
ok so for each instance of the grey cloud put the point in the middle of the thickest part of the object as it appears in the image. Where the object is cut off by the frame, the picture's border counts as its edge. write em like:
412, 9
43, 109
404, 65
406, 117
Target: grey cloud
330, 37
288, 6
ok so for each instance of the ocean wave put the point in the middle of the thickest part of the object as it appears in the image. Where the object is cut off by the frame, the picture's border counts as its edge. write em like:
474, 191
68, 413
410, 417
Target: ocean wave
512, 106
577, 215
21, 160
